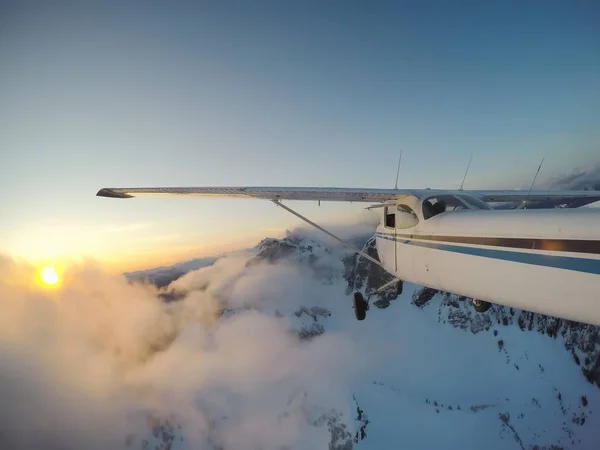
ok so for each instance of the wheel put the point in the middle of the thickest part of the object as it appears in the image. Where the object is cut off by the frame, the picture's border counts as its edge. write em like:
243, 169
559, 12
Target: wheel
399, 287
481, 306
360, 306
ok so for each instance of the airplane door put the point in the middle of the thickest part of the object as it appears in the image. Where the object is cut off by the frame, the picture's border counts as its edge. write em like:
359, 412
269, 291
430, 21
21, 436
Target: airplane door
396, 245
406, 220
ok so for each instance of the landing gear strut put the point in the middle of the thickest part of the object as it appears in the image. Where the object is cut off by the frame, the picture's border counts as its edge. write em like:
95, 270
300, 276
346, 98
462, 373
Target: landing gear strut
481, 306
361, 306
399, 288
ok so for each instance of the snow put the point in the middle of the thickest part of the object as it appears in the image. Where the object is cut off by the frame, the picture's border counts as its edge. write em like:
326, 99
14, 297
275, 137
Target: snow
436, 363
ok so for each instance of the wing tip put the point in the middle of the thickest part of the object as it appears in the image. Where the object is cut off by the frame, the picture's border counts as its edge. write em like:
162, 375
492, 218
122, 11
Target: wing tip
110, 193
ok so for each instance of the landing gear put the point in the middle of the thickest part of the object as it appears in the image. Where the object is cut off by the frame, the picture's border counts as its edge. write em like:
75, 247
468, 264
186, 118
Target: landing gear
399, 287
361, 306
481, 306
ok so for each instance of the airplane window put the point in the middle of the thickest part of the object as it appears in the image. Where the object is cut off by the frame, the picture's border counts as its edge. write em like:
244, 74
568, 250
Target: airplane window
406, 217
390, 218
436, 205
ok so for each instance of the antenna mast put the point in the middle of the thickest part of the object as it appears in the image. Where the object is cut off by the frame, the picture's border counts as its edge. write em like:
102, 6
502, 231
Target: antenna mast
466, 172
532, 183
398, 171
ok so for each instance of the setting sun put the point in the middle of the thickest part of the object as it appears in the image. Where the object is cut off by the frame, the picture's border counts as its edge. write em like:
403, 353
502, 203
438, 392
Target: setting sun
49, 276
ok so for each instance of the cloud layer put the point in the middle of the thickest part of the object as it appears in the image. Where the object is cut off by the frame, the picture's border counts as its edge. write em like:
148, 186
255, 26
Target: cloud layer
84, 365
587, 177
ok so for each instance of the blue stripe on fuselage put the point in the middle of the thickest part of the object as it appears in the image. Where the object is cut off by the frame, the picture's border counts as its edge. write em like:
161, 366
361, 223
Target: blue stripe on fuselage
559, 262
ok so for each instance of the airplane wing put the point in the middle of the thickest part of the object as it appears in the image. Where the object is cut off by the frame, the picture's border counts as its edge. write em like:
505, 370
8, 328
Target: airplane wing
344, 194
265, 193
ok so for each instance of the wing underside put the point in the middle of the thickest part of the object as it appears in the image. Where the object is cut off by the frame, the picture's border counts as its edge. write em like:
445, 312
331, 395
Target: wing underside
345, 194
265, 193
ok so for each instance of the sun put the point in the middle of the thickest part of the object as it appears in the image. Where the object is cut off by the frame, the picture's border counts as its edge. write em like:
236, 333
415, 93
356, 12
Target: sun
49, 276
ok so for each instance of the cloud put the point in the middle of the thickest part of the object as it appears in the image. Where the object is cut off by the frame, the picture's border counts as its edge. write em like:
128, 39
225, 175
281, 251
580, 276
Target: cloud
351, 232
85, 366
45, 409
587, 177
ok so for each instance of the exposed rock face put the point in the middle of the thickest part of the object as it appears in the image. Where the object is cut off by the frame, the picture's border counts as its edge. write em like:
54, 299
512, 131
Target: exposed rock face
306, 253
163, 276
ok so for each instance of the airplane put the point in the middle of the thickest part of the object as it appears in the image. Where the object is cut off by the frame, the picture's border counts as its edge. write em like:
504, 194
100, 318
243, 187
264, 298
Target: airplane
541, 260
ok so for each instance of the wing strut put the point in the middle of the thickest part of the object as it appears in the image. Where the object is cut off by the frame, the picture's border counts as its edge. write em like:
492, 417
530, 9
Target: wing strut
318, 227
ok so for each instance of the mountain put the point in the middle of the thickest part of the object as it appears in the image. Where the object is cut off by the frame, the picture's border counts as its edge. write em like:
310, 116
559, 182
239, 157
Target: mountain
424, 370
584, 179
163, 276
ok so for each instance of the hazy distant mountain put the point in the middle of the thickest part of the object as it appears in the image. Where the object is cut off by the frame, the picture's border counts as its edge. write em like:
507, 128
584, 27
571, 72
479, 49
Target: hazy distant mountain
586, 179
429, 371
163, 276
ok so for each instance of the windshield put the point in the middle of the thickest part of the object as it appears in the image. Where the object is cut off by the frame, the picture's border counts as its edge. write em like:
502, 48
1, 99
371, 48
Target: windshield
438, 204
474, 202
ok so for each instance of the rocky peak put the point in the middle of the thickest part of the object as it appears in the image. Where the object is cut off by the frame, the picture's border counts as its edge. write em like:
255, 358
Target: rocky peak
272, 250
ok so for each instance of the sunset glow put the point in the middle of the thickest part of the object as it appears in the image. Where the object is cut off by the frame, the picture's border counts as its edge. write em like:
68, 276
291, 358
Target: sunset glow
49, 276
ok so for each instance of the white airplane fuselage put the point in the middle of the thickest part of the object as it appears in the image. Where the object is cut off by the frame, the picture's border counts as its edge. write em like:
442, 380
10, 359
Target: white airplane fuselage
543, 260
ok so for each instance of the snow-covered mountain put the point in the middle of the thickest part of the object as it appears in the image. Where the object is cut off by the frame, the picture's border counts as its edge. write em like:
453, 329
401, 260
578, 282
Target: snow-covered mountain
165, 275
422, 371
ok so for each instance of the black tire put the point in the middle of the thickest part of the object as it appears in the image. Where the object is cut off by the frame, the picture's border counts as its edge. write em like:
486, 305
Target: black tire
481, 306
399, 288
360, 306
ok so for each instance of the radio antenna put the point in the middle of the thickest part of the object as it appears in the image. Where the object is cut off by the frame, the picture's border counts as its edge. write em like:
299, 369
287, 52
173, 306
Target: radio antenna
532, 183
398, 171
466, 172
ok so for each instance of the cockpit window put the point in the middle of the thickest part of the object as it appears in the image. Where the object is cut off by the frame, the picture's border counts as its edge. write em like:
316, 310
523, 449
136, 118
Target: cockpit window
433, 206
390, 217
406, 217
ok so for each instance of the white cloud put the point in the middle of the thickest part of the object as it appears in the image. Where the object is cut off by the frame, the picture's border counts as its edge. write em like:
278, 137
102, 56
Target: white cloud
80, 365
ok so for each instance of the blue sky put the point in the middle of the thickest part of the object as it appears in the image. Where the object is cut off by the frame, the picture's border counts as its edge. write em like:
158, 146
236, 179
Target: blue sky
274, 93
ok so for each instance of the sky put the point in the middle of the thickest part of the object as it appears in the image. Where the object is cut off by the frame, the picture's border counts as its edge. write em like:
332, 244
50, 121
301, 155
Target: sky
123, 94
